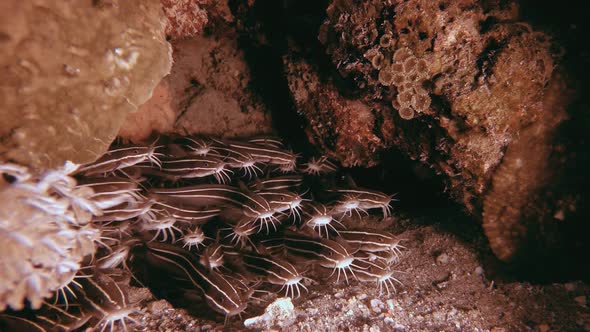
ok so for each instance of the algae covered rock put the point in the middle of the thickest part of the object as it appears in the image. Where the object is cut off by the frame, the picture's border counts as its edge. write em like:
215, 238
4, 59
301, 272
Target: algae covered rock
71, 71
464, 87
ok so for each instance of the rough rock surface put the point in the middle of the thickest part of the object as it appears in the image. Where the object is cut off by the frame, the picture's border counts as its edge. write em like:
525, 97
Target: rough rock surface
341, 126
207, 91
188, 18
461, 86
185, 18
71, 72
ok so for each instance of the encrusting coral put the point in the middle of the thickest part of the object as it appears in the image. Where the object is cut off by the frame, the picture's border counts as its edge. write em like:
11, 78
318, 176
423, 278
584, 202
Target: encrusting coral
186, 18
458, 86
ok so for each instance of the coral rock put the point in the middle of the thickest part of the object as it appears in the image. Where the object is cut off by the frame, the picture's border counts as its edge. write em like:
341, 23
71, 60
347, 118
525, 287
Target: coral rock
71, 73
185, 18
207, 92
463, 87
340, 126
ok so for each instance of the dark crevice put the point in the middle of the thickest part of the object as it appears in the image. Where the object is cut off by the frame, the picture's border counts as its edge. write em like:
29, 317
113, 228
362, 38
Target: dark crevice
487, 24
486, 60
278, 21
377, 124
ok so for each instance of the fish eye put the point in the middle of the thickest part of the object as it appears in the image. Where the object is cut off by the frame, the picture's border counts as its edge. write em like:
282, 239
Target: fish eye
136, 151
206, 164
380, 240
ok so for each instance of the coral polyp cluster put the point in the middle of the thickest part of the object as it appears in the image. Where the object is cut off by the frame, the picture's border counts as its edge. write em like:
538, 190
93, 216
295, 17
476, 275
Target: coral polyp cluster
222, 218
409, 78
405, 73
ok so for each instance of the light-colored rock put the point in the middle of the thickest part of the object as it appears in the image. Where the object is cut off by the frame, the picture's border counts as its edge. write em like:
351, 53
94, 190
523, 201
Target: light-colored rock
280, 313
157, 114
71, 71
442, 259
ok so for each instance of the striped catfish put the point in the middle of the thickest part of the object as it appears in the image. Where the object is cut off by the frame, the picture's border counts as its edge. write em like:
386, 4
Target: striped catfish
200, 195
266, 154
318, 166
269, 141
318, 217
220, 294
108, 302
183, 212
121, 157
241, 231
283, 200
196, 167
49, 318
378, 272
195, 145
124, 211
194, 237
285, 182
239, 160
213, 256
372, 240
252, 204
328, 253
365, 199
276, 271
105, 193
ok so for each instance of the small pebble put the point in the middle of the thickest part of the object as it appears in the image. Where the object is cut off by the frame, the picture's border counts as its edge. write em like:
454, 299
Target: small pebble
362, 296
280, 312
479, 270
543, 327
439, 315
339, 295
390, 304
442, 259
376, 305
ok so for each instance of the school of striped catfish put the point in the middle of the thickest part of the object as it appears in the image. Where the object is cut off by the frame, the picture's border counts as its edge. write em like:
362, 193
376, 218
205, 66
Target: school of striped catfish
215, 221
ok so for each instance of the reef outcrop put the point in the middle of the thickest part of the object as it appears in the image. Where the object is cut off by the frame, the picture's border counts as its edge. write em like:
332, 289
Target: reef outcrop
464, 87
71, 72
